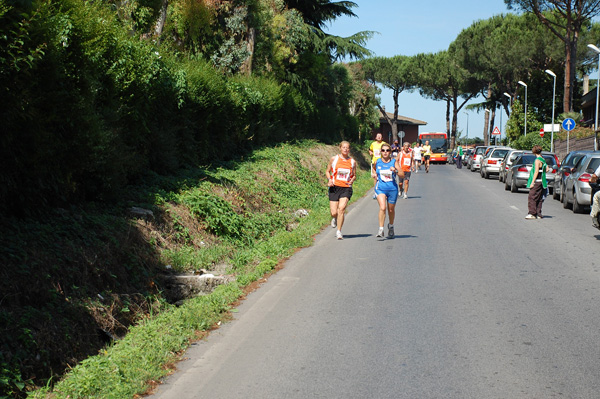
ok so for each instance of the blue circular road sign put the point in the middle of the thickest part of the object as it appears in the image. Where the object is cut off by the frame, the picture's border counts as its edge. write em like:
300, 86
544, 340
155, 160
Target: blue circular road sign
568, 124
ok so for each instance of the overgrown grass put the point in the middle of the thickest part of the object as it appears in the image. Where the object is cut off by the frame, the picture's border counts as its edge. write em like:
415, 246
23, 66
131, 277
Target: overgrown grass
245, 211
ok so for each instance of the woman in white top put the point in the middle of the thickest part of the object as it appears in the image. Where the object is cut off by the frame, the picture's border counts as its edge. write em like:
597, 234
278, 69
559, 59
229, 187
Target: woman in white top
417, 151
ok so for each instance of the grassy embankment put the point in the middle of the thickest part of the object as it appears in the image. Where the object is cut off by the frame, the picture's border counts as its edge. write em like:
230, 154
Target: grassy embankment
240, 215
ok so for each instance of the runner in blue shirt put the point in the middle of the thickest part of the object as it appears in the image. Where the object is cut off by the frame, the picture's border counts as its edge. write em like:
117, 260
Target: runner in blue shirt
386, 188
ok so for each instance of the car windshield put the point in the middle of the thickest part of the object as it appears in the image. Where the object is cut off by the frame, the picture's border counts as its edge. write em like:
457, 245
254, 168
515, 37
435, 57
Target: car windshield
594, 163
479, 151
574, 159
499, 153
514, 155
528, 159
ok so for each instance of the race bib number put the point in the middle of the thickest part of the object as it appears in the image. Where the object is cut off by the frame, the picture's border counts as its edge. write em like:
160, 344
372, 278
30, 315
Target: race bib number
406, 161
386, 175
343, 174
377, 152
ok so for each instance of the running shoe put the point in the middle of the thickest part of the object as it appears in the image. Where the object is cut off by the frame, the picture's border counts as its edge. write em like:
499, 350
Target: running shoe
374, 196
390, 232
530, 217
405, 196
334, 222
380, 232
338, 235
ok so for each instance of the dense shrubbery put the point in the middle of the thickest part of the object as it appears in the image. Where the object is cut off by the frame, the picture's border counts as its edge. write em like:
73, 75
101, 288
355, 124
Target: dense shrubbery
87, 108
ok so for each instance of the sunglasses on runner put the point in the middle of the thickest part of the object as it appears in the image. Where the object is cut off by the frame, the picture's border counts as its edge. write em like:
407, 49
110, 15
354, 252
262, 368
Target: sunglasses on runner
385, 150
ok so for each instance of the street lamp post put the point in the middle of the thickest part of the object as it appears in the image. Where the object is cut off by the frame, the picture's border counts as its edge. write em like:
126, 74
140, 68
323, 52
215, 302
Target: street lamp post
487, 133
524, 85
597, 50
467, 140
509, 104
500, 108
549, 72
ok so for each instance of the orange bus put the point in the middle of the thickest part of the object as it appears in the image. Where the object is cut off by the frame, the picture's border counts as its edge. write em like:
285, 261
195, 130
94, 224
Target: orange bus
439, 146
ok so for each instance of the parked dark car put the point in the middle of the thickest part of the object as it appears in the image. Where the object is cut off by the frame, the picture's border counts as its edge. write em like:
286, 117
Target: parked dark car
518, 174
467, 156
564, 170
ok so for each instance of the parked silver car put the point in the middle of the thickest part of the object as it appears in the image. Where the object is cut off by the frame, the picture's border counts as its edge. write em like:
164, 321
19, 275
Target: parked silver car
577, 190
518, 174
476, 158
507, 162
490, 164
564, 170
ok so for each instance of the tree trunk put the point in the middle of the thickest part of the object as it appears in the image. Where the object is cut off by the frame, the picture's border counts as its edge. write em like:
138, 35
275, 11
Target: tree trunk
486, 124
491, 129
448, 104
162, 18
246, 67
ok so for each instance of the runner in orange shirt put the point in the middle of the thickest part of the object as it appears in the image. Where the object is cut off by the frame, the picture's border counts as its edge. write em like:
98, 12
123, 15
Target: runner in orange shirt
406, 160
341, 173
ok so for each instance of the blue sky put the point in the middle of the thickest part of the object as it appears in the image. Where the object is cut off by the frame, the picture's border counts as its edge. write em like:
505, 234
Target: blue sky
412, 27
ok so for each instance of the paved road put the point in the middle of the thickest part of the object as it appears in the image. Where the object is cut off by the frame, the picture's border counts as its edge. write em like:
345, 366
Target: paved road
470, 300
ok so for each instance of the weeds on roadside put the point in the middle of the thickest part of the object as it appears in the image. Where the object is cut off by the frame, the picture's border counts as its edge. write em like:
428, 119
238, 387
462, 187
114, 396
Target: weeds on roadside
245, 214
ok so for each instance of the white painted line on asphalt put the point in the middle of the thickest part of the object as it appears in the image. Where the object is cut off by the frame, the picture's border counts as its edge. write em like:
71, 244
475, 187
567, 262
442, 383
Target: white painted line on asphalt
514, 207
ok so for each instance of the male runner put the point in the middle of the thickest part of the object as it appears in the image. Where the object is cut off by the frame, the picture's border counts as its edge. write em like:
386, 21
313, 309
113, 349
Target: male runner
426, 155
375, 151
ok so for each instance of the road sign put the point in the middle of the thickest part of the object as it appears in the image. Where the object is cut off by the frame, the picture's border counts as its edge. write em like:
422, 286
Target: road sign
401, 134
548, 127
496, 131
542, 133
568, 124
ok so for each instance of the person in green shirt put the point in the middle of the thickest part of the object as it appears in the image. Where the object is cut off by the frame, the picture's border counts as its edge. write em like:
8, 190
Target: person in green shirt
459, 155
537, 184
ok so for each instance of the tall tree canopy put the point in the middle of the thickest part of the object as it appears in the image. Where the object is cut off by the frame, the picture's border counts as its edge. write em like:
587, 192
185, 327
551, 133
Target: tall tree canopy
395, 73
565, 19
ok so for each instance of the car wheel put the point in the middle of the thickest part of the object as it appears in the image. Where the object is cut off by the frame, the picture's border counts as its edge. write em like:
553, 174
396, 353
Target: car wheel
513, 186
486, 175
576, 207
565, 202
500, 179
506, 185
555, 194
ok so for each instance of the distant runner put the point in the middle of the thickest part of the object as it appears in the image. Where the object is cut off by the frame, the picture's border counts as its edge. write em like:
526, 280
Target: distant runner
406, 163
417, 152
341, 173
426, 155
386, 189
375, 151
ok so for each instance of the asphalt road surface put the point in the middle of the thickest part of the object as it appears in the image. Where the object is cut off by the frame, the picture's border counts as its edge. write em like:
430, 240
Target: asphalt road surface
469, 300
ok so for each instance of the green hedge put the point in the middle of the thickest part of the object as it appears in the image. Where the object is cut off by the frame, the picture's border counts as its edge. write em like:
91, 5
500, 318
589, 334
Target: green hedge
87, 108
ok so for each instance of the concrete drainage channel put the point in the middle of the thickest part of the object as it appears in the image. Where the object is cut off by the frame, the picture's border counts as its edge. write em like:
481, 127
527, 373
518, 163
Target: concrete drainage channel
179, 287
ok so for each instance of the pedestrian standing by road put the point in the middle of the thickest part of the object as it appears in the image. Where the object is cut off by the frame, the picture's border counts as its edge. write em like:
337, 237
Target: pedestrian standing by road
375, 151
417, 151
426, 155
537, 184
386, 188
459, 155
406, 163
595, 200
341, 173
